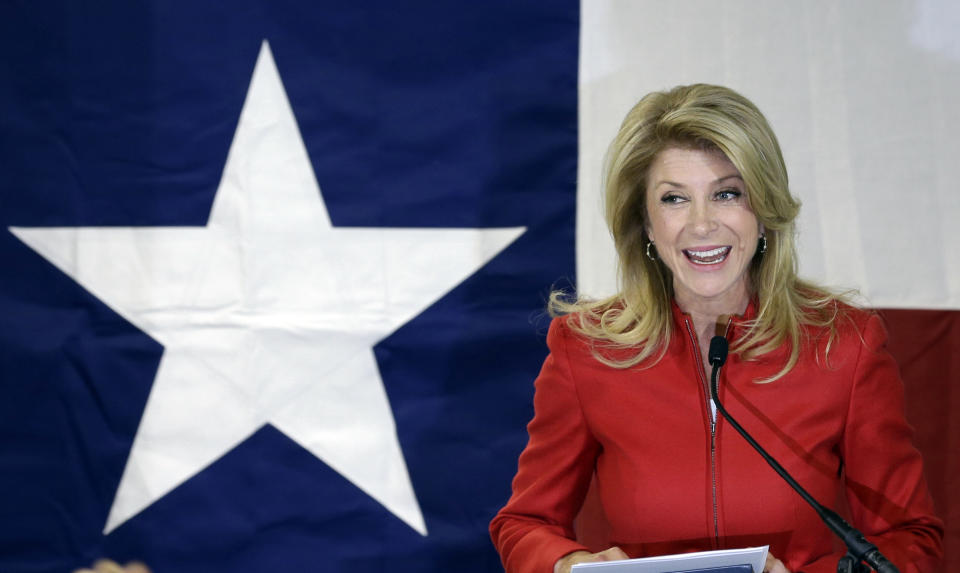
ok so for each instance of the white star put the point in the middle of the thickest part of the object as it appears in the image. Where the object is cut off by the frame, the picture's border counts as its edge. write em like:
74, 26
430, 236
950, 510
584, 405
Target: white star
267, 315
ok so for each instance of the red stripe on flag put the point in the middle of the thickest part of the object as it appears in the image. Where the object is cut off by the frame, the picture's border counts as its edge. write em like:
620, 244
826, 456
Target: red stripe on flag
926, 344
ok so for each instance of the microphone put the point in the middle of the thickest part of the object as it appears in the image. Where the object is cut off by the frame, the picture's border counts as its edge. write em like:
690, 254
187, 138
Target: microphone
857, 546
717, 356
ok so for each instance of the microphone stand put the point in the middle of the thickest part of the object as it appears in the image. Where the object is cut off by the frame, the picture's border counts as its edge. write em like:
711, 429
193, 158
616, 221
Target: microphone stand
859, 550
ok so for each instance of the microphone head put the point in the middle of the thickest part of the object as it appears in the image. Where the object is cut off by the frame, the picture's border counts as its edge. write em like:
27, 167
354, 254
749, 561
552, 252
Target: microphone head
718, 351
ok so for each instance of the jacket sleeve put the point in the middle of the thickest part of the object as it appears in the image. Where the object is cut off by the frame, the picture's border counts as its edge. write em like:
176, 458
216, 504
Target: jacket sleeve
885, 485
535, 528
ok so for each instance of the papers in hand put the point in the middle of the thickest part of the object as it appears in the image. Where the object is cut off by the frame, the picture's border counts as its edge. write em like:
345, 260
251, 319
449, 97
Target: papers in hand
702, 561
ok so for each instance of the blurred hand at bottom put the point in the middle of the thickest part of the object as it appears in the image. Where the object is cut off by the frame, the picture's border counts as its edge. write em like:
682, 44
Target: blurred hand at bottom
107, 566
564, 564
774, 565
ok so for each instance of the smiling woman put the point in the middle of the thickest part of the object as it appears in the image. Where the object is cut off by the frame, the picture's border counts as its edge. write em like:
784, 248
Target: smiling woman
704, 231
660, 136
698, 216
698, 203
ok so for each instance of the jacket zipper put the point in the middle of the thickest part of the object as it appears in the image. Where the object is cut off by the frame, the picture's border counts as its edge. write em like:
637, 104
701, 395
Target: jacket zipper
704, 384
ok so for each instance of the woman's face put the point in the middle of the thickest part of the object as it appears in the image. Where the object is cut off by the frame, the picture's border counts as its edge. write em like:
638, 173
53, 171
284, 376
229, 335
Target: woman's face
702, 227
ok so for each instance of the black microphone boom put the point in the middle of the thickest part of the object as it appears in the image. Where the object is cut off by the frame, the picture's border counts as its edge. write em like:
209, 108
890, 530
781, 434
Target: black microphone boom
857, 546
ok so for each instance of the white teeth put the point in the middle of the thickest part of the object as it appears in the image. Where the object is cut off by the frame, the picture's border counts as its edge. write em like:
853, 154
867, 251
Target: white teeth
707, 254
711, 257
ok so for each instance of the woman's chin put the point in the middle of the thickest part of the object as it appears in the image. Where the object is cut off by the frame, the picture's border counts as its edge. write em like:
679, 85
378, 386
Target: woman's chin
717, 288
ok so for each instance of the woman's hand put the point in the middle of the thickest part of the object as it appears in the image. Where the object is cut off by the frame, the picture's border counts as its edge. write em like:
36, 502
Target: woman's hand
774, 565
564, 564
107, 566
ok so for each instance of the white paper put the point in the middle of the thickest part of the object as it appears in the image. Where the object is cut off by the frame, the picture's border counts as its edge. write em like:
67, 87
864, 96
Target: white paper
753, 556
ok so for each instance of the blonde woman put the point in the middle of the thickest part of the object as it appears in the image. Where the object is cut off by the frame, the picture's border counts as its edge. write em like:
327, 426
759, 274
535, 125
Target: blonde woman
698, 203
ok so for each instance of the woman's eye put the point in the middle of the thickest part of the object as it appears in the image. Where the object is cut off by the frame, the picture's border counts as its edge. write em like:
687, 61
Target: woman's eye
728, 194
671, 199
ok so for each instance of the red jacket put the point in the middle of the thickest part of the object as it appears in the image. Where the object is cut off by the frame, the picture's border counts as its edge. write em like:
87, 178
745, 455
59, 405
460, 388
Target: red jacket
669, 485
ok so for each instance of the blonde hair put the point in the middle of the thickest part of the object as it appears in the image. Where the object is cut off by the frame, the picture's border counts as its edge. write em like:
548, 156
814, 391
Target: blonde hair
639, 317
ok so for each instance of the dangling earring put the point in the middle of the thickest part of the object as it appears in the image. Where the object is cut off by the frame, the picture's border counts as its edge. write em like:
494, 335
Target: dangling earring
650, 255
762, 244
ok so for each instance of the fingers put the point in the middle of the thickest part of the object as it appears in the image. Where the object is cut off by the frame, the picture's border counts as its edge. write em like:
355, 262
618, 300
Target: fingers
612, 554
108, 566
774, 565
567, 562
102, 566
564, 564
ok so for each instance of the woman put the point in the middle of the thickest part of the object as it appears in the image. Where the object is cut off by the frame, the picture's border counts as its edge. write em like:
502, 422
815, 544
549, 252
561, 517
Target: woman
703, 221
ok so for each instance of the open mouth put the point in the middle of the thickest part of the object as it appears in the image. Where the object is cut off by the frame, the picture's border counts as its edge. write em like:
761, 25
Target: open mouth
708, 256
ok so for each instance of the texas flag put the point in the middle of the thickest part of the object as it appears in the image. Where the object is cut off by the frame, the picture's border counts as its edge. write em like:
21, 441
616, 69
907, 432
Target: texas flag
274, 277
274, 273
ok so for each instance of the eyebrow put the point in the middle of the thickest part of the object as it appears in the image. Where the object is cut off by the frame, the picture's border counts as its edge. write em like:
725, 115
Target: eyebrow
720, 180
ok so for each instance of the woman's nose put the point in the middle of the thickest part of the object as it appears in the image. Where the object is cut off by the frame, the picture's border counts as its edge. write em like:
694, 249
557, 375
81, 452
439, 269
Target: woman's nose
702, 218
